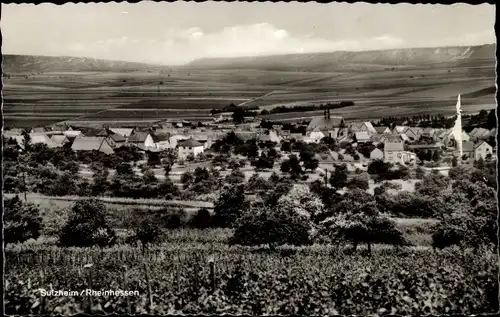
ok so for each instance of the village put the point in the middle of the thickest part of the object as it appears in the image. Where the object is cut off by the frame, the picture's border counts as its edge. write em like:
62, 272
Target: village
192, 141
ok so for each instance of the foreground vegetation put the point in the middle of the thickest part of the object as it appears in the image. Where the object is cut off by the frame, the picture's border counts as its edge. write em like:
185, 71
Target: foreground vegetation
311, 280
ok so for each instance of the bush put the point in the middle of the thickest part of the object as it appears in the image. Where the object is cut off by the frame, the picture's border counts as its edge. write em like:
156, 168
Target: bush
149, 231
172, 219
271, 226
22, 221
87, 225
202, 219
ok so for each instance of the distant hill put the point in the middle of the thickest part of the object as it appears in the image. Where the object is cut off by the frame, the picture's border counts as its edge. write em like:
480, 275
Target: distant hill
471, 56
343, 60
36, 64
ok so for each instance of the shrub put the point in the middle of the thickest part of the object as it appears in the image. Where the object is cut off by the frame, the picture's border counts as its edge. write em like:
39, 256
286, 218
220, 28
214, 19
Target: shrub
271, 226
202, 219
149, 231
87, 225
22, 221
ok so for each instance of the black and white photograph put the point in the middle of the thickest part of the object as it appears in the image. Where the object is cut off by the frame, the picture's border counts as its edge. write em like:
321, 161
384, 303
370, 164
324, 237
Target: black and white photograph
249, 158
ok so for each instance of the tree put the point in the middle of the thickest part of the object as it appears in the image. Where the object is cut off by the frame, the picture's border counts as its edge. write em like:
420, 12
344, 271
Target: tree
257, 183
202, 219
311, 164
419, 173
153, 158
167, 167
292, 166
22, 221
26, 144
238, 115
187, 178
301, 201
360, 181
286, 147
149, 231
149, 177
357, 220
87, 225
454, 161
236, 177
230, 205
338, 179
271, 226
432, 184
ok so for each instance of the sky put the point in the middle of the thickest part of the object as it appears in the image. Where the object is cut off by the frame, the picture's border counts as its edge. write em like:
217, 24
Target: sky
179, 32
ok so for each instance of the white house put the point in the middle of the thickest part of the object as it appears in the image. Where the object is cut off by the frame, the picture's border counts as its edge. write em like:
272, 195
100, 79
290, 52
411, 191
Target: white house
315, 136
377, 154
188, 147
143, 139
482, 149
394, 153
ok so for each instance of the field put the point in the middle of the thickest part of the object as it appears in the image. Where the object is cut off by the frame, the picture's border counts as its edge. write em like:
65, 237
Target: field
212, 278
428, 83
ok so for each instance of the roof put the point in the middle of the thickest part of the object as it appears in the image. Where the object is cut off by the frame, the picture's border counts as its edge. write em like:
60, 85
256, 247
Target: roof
264, 137
297, 136
59, 139
394, 146
424, 146
467, 146
138, 137
122, 131
381, 130
325, 123
72, 133
481, 143
400, 128
159, 137
14, 131
38, 130
41, 138
479, 132
362, 136
117, 137
190, 143
245, 135
370, 127
87, 143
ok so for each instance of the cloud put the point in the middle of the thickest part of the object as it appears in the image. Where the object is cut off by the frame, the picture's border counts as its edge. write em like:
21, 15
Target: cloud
178, 46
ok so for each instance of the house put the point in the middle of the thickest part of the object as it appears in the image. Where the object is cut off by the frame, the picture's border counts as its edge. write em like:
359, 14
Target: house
275, 137
161, 140
14, 131
382, 130
70, 133
400, 128
394, 153
116, 140
141, 138
479, 133
363, 127
38, 130
482, 149
298, 137
468, 149
42, 138
411, 134
246, 135
376, 154
60, 140
92, 144
315, 136
326, 124
362, 137
189, 147
125, 132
